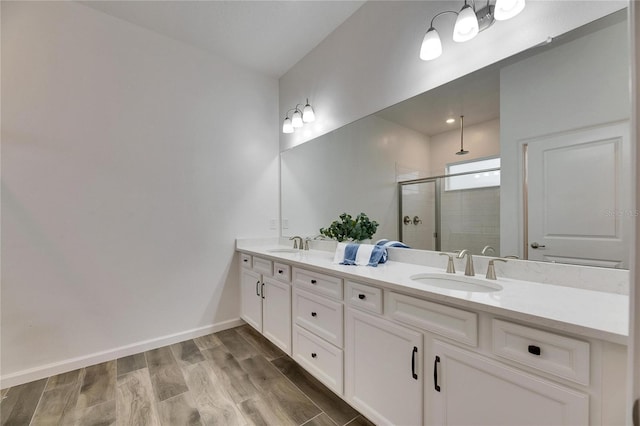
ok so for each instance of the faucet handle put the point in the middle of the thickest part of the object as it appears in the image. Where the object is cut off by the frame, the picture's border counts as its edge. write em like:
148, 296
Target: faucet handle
306, 243
491, 270
451, 268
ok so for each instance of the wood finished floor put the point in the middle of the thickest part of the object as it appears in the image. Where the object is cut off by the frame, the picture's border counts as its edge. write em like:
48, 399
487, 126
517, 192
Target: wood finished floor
234, 377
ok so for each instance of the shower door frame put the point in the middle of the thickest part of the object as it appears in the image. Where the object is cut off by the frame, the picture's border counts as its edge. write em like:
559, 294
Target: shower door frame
438, 192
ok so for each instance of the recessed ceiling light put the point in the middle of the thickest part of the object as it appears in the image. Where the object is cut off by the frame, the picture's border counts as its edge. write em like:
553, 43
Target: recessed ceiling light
451, 120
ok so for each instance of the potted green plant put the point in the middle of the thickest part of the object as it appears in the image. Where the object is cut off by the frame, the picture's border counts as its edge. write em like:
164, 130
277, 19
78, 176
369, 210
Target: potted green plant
347, 228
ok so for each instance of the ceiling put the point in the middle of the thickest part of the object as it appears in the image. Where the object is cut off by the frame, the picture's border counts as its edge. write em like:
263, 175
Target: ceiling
266, 36
476, 96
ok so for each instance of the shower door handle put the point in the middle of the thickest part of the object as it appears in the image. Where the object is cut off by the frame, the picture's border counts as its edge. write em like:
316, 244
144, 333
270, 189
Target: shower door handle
535, 245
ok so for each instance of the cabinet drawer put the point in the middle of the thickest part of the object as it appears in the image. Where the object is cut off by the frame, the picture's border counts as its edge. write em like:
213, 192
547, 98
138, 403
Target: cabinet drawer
364, 297
558, 355
282, 272
319, 315
263, 266
245, 260
456, 324
320, 358
325, 285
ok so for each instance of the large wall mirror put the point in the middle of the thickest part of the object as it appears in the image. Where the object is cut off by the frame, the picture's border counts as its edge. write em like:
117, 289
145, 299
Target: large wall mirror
547, 176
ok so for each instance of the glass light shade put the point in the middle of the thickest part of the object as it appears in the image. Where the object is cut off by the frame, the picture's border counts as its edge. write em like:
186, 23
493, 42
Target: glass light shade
287, 127
307, 114
431, 45
296, 119
507, 9
466, 26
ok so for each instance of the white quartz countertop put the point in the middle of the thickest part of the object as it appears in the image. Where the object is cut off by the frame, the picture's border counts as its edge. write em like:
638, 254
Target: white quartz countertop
589, 313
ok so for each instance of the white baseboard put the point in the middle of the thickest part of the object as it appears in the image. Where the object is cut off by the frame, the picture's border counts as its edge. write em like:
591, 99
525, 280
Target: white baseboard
40, 372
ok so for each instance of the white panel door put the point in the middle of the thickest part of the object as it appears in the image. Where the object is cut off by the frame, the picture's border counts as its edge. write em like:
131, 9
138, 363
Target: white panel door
579, 207
276, 313
251, 298
474, 390
382, 372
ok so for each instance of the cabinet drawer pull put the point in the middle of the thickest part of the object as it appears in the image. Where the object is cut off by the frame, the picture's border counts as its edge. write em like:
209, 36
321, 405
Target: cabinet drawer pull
262, 290
245, 260
435, 373
362, 296
258, 288
314, 314
314, 355
413, 363
313, 281
534, 350
280, 271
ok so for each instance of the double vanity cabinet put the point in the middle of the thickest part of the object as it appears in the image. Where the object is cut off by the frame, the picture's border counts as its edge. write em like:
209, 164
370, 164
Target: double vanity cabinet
406, 359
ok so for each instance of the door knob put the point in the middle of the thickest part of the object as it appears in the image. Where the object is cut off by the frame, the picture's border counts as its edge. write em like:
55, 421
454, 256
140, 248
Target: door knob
406, 220
535, 245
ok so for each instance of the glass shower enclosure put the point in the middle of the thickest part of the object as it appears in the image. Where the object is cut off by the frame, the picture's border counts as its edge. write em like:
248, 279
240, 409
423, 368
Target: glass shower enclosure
452, 212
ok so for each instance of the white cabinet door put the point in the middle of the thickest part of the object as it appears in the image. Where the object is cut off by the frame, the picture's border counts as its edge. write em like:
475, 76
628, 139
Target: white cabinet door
251, 298
474, 390
383, 370
276, 313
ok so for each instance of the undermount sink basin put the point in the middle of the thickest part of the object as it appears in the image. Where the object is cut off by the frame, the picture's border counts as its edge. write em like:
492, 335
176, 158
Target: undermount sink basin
457, 282
283, 250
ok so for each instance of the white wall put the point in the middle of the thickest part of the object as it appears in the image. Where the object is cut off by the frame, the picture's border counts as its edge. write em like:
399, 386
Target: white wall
481, 140
590, 86
371, 61
340, 171
130, 163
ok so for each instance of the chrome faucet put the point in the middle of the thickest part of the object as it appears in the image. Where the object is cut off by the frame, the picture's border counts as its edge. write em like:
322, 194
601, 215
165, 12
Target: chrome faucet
295, 241
451, 268
488, 248
468, 270
491, 270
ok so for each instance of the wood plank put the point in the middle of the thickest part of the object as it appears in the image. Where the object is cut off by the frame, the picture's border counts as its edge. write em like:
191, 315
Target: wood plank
131, 363
236, 344
57, 404
166, 376
98, 385
361, 421
214, 403
179, 411
261, 343
64, 379
20, 403
234, 378
261, 372
135, 404
284, 397
334, 406
321, 420
207, 342
257, 412
103, 414
186, 353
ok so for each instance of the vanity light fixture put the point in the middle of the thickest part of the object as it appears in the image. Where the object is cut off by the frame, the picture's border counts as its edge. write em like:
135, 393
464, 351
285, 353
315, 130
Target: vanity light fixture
298, 118
469, 23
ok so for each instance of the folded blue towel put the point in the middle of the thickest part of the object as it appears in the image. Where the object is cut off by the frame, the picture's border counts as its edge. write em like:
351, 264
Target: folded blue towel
360, 254
386, 243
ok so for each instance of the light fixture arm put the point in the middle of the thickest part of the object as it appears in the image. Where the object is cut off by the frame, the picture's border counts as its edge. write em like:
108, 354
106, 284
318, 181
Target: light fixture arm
442, 13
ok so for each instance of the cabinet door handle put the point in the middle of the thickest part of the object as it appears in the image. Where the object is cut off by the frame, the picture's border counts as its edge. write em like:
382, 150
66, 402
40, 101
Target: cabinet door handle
362, 296
314, 314
435, 373
245, 260
258, 288
313, 281
413, 363
534, 350
314, 355
280, 271
262, 290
